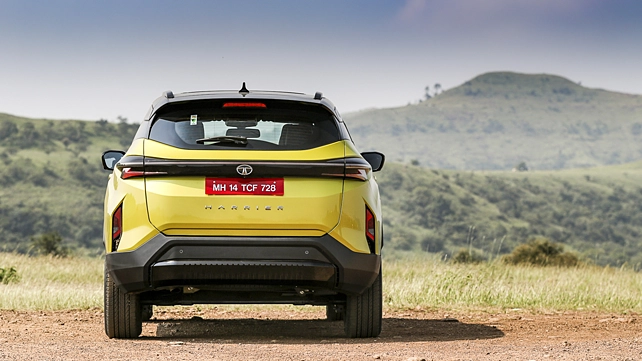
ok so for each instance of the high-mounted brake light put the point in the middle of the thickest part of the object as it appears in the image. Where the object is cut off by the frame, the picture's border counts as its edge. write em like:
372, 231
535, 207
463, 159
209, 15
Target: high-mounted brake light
116, 228
244, 105
370, 230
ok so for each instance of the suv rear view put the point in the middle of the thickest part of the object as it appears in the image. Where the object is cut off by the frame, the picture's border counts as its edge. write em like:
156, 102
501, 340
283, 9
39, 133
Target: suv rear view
242, 197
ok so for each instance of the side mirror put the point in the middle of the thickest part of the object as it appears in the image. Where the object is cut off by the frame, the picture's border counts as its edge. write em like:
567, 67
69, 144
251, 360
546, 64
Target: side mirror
110, 158
375, 159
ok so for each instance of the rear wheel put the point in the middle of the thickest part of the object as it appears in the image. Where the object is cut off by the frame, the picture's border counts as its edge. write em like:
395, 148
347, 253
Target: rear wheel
123, 312
363, 313
334, 312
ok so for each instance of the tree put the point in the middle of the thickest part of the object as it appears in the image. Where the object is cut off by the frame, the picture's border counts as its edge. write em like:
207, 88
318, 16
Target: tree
49, 243
7, 129
427, 95
437, 88
521, 167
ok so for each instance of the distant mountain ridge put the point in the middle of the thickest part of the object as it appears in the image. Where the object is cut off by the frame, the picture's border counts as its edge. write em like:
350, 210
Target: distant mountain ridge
500, 119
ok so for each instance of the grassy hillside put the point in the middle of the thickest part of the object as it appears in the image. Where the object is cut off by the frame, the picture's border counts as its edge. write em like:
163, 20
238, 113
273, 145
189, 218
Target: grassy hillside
51, 178
498, 120
595, 212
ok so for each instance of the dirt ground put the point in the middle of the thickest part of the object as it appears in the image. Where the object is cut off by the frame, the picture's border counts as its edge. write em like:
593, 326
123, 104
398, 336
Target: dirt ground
220, 334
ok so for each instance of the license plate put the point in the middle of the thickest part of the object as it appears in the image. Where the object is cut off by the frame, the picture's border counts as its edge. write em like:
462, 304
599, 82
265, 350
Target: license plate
244, 186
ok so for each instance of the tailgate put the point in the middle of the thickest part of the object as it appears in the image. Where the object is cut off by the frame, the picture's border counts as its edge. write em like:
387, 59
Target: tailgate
279, 197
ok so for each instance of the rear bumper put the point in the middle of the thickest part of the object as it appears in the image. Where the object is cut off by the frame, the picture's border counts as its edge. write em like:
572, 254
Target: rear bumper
305, 262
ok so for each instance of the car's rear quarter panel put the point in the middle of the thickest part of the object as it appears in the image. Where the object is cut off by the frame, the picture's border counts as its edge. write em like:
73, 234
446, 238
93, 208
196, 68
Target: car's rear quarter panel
136, 228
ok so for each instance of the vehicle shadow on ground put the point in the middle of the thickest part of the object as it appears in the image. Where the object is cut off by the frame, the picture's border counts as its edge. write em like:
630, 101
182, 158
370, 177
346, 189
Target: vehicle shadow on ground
307, 331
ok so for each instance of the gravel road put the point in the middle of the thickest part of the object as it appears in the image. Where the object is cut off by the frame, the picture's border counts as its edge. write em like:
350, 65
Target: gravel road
229, 334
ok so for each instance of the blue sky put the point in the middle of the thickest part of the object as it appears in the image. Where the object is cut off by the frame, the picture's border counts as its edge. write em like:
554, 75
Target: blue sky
89, 59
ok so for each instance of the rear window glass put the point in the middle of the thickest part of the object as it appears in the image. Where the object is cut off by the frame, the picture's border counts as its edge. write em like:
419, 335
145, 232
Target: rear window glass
244, 124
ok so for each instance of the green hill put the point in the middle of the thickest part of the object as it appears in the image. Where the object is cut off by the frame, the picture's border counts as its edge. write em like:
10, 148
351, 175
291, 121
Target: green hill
51, 178
595, 212
498, 120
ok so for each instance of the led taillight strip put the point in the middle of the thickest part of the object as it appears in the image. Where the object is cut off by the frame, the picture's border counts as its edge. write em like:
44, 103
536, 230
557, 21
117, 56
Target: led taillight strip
131, 173
351, 168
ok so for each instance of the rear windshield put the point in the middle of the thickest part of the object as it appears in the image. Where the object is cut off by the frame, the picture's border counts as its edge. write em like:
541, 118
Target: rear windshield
244, 124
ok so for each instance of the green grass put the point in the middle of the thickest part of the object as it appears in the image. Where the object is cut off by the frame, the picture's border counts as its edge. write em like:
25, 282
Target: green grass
409, 281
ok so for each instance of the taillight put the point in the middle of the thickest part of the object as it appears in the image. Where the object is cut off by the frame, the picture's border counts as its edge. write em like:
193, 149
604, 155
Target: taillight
358, 172
244, 105
370, 229
116, 228
132, 173
357, 168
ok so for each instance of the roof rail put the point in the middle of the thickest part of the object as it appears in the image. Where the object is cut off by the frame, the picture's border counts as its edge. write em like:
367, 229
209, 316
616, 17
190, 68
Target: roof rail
318, 95
168, 94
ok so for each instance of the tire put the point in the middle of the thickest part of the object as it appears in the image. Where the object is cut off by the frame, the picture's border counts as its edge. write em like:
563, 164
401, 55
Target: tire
334, 312
147, 311
363, 314
123, 312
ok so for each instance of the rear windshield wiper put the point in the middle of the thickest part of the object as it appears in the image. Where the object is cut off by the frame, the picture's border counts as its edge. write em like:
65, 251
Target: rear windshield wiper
224, 139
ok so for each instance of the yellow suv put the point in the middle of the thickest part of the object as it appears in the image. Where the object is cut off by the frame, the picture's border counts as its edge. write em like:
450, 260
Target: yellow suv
242, 197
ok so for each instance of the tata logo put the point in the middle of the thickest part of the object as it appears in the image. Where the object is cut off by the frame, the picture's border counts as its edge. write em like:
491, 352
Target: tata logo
244, 169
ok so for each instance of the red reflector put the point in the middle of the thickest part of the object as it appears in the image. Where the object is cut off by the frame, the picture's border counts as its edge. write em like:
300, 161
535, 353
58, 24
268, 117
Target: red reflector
370, 225
116, 227
244, 105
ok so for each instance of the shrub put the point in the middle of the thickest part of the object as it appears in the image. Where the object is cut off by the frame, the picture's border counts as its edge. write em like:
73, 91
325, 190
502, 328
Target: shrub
541, 252
49, 243
8, 275
432, 243
521, 167
403, 239
466, 256
7, 129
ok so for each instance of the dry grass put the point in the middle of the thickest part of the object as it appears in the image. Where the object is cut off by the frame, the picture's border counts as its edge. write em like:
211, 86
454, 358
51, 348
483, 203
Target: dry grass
415, 280
425, 281
48, 283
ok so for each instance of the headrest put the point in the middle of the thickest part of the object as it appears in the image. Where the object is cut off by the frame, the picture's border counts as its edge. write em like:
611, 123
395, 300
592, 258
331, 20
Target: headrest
189, 133
295, 134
